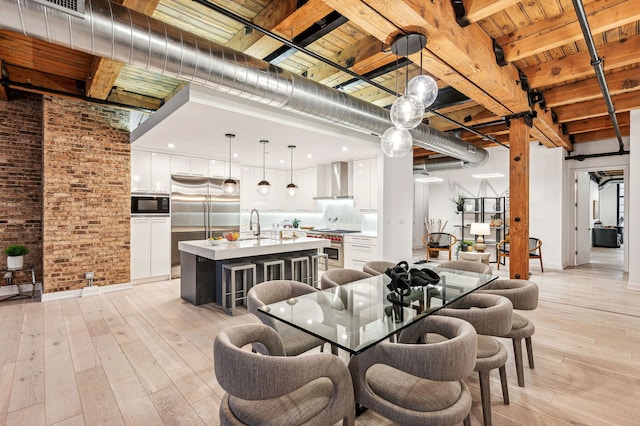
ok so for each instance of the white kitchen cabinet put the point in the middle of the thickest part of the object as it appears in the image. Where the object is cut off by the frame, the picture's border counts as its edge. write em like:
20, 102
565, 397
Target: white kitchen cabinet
358, 250
160, 173
150, 247
249, 197
217, 168
160, 246
199, 166
180, 165
277, 200
365, 184
140, 171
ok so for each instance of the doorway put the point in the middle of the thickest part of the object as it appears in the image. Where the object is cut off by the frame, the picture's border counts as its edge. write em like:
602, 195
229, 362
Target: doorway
599, 218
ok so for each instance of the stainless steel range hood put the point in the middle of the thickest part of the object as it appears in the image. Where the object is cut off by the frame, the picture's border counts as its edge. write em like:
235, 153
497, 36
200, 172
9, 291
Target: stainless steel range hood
339, 182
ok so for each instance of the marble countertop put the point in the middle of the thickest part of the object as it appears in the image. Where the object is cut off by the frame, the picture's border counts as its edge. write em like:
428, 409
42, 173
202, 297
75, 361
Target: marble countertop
249, 248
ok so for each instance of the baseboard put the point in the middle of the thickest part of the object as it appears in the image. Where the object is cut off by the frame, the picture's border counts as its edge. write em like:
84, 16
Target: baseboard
87, 291
633, 286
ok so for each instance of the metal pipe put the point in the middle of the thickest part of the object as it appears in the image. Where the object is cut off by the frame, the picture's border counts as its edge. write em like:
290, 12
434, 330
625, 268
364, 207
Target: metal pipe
583, 157
596, 63
115, 32
426, 166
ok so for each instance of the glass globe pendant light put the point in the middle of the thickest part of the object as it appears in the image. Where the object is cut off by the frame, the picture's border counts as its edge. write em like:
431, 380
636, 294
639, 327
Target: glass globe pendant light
407, 112
292, 188
396, 142
264, 187
229, 185
424, 87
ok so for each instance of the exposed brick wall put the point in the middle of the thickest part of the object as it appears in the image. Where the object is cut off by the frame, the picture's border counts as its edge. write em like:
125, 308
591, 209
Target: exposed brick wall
86, 194
21, 178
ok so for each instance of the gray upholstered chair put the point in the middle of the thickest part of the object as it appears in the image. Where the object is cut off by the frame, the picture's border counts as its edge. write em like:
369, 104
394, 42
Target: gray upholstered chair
377, 267
314, 389
419, 384
295, 341
491, 316
467, 265
524, 296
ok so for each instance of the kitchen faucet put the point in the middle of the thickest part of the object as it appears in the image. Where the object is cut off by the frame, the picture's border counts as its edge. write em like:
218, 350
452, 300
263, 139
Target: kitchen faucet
257, 232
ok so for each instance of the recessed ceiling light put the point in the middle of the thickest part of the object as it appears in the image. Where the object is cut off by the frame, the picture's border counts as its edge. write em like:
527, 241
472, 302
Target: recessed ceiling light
235, 154
488, 175
170, 145
309, 155
344, 148
281, 161
428, 179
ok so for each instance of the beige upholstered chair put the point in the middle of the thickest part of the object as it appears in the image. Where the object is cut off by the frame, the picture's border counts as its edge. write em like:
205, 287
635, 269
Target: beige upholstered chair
419, 384
491, 318
295, 341
524, 296
339, 276
314, 389
467, 265
535, 250
439, 241
377, 267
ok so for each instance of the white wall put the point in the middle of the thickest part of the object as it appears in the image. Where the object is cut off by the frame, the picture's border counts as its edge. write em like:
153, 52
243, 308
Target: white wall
546, 195
608, 205
632, 203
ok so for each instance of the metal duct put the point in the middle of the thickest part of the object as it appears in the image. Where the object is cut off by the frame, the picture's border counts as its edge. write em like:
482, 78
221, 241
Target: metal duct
426, 166
113, 31
596, 63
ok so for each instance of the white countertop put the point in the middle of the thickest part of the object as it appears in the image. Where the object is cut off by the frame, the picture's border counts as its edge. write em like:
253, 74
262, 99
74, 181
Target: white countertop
249, 248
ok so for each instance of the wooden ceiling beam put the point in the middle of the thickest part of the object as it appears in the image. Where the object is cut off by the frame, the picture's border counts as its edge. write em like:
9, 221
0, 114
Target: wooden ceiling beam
124, 97
350, 57
104, 72
579, 65
290, 26
564, 29
586, 90
41, 80
480, 9
270, 17
600, 135
597, 123
584, 110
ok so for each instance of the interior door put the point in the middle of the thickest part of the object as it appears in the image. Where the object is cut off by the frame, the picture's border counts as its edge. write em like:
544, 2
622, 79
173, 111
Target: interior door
583, 219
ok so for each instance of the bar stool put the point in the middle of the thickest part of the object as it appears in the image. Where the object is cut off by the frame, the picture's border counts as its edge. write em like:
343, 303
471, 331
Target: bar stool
315, 263
230, 290
299, 269
272, 269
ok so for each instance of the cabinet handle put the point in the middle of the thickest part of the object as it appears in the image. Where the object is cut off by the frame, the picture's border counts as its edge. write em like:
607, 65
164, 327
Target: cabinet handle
365, 247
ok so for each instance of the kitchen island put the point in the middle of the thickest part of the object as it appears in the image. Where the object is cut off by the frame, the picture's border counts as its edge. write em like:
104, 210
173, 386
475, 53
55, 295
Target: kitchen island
201, 263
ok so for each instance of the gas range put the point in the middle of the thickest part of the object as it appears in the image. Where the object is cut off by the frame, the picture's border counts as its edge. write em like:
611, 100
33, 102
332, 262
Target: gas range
335, 235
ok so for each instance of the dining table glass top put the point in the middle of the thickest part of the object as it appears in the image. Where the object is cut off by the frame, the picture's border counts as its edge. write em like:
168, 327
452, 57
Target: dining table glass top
358, 315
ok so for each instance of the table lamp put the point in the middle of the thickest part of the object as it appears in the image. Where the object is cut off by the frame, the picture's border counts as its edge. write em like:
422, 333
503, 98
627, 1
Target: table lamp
480, 229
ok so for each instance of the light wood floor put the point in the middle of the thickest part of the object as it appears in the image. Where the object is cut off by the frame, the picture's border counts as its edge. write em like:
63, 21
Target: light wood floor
144, 356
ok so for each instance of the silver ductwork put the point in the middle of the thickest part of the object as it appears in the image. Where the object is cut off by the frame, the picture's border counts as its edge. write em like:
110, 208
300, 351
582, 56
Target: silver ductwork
115, 32
426, 166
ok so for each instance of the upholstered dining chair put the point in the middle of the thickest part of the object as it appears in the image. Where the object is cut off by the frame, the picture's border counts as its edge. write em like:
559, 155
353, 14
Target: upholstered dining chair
535, 250
467, 265
338, 277
524, 296
419, 384
439, 241
294, 340
377, 267
275, 389
490, 315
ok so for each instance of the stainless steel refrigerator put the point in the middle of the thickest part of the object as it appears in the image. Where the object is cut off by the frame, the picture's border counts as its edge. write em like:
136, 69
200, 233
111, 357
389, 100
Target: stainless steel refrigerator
199, 210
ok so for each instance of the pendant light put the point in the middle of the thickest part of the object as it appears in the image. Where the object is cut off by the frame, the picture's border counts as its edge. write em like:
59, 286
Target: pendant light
407, 111
292, 188
229, 186
264, 187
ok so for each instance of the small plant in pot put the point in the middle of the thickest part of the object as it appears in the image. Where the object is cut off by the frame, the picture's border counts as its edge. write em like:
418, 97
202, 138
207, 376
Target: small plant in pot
15, 256
465, 245
459, 202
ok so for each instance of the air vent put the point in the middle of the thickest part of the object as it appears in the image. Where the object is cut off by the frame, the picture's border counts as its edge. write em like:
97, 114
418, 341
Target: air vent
72, 7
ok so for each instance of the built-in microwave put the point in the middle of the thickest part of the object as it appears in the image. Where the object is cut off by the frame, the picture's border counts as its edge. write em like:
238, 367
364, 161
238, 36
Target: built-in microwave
150, 204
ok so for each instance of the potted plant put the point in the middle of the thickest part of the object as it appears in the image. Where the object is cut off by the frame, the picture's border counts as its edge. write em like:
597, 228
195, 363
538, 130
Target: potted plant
15, 256
296, 222
459, 202
465, 245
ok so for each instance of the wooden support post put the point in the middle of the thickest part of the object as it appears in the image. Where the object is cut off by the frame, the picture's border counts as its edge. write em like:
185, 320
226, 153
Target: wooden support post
519, 199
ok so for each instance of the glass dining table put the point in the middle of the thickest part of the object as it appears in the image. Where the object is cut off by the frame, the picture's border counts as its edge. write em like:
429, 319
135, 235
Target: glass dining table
358, 315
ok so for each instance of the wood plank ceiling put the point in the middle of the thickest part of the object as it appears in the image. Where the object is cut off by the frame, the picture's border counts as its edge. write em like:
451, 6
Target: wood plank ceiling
541, 41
